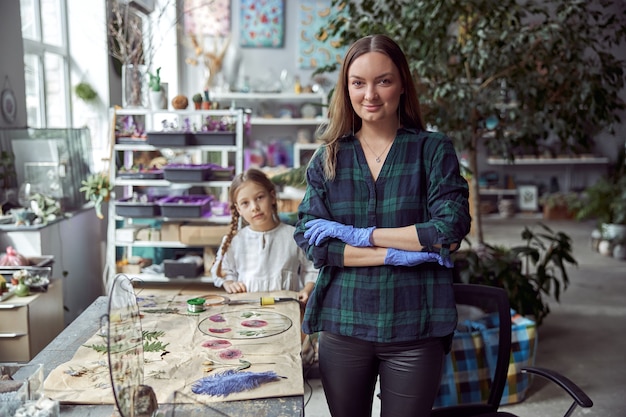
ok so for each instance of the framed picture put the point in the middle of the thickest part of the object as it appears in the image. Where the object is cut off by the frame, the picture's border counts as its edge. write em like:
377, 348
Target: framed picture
206, 17
528, 197
316, 51
262, 24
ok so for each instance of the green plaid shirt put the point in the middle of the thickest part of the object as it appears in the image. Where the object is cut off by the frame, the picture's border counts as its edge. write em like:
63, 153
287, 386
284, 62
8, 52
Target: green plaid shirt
420, 184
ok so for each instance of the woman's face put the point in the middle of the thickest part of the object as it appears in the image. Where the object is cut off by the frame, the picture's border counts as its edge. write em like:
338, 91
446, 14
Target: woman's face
256, 205
375, 87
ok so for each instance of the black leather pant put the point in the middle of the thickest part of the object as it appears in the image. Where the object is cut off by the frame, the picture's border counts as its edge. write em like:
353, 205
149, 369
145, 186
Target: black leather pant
410, 374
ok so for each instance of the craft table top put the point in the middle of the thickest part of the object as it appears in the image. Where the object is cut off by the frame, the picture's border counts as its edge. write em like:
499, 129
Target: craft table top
65, 345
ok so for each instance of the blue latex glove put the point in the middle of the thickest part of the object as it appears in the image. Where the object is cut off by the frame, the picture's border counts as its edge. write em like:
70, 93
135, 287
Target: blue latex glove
399, 257
319, 230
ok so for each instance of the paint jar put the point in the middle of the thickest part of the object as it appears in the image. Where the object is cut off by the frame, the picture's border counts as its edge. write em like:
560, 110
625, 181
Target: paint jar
195, 305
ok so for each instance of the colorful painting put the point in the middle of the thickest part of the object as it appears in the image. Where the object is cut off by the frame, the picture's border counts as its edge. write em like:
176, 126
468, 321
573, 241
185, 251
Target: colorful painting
262, 23
314, 50
206, 17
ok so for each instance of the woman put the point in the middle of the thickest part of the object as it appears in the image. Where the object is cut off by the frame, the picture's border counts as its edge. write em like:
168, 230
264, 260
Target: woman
385, 203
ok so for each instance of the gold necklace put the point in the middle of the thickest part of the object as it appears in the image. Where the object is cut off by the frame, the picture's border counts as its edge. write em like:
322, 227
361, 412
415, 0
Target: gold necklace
377, 157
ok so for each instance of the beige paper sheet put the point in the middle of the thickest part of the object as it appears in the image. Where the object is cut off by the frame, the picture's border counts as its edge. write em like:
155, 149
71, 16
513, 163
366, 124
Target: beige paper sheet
85, 379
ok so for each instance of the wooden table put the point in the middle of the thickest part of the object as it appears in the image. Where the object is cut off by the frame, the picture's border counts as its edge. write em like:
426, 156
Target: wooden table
64, 346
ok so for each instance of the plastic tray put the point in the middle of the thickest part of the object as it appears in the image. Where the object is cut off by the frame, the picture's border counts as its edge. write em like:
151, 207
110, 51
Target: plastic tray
179, 269
213, 138
128, 208
185, 206
169, 138
187, 172
156, 174
222, 173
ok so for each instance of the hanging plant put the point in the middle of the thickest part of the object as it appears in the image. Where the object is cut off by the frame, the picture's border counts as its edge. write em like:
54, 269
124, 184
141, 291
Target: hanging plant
97, 188
85, 92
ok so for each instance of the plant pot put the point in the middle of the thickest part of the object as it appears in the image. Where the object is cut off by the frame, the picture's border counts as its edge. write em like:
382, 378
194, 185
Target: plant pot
612, 231
605, 248
557, 212
619, 251
157, 100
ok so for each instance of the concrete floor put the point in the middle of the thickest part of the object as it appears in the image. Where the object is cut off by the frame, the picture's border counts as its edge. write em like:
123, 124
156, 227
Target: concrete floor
583, 337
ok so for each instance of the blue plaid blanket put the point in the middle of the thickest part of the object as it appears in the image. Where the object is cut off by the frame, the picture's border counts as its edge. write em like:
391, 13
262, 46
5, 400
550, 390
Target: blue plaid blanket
469, 367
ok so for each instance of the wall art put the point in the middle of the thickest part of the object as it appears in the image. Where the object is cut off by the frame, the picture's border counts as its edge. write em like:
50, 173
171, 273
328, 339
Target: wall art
206, 17
315, 50
262, 23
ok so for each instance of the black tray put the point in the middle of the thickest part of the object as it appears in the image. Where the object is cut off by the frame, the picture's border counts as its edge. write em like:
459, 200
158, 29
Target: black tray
213, 138
145, 175
127, 208
169, 138
185, 206
187, 172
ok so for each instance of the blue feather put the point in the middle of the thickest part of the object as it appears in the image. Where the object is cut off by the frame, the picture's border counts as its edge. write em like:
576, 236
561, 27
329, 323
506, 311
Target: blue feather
227, 382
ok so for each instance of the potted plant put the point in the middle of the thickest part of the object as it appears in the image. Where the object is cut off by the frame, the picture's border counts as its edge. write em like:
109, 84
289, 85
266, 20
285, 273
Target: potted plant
97, 188
157, 98
529, 272
558, 205
197, 101
605, 201
85, 92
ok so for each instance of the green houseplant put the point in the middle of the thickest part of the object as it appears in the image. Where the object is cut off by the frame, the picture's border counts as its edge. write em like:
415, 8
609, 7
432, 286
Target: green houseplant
558, 205
154, 81
506, 75
529, 272
605, 200
197, 101
97, 189
158, 99
85, 92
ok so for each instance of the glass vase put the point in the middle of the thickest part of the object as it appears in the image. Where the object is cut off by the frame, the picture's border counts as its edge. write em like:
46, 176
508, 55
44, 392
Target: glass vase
134, 86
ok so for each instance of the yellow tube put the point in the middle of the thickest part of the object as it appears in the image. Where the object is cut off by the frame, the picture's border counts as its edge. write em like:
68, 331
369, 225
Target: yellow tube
267, 301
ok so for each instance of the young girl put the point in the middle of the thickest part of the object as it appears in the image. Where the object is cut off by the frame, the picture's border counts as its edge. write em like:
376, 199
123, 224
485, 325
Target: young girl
262, 255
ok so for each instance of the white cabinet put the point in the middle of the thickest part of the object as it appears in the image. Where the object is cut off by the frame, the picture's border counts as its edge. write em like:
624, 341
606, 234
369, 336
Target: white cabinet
76, 242
287, 119
28, 324
171, 227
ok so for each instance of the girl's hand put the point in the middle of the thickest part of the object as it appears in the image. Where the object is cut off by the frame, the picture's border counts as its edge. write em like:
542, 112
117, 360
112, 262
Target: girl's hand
303, 297
233, 287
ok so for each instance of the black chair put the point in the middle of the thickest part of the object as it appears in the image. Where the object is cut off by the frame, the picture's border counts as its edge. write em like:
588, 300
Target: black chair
493, 299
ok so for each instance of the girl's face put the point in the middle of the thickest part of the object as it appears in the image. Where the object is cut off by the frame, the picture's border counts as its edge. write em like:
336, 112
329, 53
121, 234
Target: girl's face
256, 205
375, 87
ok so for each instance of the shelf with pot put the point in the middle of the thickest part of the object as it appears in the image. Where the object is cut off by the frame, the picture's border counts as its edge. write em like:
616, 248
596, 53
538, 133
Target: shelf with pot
290, 118
179, 202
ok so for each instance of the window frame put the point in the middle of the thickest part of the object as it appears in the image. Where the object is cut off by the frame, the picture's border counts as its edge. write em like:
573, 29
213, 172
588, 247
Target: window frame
39, 48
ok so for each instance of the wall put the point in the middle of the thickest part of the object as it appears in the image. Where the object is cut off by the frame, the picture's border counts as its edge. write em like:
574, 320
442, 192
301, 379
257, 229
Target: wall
88, 46
260, 64
12, 62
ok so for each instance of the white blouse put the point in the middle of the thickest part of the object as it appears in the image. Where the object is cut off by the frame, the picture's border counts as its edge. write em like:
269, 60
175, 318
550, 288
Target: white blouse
265, 261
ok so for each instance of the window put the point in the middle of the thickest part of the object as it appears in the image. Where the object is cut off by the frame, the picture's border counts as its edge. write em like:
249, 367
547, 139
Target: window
46, 63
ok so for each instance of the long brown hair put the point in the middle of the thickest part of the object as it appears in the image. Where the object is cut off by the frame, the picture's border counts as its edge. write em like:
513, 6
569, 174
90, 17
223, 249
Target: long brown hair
251, 175
343, 119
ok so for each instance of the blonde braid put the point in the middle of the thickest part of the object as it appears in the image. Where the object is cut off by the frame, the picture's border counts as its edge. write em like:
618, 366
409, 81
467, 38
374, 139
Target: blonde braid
234, 227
